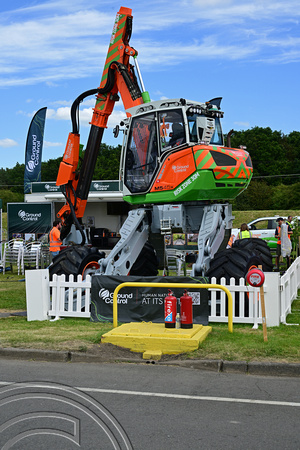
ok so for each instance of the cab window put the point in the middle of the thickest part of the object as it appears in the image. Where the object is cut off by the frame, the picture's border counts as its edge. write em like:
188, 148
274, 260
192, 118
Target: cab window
141, 154
171, 129
217, 138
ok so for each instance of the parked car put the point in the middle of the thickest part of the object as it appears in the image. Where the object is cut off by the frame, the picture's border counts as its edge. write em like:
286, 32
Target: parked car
263, 228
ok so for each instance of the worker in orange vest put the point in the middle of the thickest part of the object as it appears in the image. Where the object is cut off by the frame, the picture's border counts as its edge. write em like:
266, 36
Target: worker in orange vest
54, 238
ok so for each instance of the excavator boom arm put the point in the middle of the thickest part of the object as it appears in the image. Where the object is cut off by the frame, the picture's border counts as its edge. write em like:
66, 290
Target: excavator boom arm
118, 78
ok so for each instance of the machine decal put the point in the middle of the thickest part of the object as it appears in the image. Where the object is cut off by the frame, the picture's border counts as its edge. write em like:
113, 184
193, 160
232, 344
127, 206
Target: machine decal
187, 183
177, 167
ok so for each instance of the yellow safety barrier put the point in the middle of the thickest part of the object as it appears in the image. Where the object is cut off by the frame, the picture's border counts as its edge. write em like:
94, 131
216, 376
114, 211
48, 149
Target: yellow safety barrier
173, 285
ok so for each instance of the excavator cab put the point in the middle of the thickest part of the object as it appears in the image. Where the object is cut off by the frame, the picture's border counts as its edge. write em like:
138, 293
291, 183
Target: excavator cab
173, 150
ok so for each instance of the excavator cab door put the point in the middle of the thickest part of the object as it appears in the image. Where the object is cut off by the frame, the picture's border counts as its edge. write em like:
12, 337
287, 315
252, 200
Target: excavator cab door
149, 138
141, 157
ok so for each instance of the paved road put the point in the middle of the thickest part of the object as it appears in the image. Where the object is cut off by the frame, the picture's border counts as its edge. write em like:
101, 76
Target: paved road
144, 406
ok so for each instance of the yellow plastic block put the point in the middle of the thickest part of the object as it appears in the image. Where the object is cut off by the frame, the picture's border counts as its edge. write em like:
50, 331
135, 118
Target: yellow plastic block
154, 337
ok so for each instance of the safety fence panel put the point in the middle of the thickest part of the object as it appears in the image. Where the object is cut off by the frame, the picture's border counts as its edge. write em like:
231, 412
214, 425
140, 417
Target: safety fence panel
70, 298
246, 302
289, 285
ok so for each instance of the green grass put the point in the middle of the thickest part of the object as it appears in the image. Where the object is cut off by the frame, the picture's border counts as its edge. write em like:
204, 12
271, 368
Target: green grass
12, 292
67, 334
246, 344
70, 334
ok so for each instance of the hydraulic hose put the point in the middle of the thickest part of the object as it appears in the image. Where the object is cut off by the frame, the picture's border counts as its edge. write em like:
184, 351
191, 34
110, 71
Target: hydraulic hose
75, 106
95, 137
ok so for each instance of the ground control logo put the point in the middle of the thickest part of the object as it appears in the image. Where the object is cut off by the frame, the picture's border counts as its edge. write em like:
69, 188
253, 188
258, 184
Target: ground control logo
101, 187
49, 415
177, 168
107, 296
29, 217
51, 188
35, 154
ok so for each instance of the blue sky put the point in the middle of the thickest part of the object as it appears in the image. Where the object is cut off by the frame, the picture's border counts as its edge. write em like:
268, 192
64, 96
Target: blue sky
247, 52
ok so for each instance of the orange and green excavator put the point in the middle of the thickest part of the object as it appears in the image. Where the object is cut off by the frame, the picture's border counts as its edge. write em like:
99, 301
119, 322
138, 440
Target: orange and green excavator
175, 171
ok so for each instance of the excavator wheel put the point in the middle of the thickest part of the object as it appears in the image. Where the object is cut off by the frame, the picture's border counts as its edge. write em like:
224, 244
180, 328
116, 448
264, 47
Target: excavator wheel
76, 260
259, 247
146, 263
236, 261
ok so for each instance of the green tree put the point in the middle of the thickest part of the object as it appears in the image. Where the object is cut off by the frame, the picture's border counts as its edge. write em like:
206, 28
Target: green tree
49, 169
271, 152
258, 196
108, 162
9, 196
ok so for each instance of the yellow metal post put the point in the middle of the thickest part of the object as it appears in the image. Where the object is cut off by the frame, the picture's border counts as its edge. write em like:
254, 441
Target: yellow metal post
173, 285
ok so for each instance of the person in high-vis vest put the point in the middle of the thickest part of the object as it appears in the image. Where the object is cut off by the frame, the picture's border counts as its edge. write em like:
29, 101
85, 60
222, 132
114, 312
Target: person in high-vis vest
280, 222
244, 232
54, 238
289, 222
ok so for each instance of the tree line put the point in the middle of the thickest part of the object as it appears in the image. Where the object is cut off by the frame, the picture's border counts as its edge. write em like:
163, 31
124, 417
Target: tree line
276, 169
276, 175
12, 180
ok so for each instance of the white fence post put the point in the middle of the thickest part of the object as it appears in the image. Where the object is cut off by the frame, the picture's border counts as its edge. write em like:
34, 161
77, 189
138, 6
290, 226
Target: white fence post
272, 298
37, 294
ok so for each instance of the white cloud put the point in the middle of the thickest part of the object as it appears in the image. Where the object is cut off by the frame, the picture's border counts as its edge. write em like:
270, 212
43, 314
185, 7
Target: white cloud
52, 41
242, 124
62, 113
52, 144
115, 118
6, 143
85, 116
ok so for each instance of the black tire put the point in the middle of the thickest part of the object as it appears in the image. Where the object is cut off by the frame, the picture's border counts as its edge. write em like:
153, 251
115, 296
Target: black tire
257, 247
231, 263
236, 261
146, 263
75, 261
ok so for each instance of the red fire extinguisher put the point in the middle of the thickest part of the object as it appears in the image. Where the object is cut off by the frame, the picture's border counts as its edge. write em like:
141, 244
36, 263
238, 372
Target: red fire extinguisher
186, 310
170, 310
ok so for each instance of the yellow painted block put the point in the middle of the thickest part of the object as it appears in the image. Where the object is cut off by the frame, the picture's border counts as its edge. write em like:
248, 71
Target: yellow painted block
144, 336
152, 354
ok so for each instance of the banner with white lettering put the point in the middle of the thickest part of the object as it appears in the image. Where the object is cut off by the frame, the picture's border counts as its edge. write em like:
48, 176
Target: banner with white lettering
28, 218
137, 304
33, 151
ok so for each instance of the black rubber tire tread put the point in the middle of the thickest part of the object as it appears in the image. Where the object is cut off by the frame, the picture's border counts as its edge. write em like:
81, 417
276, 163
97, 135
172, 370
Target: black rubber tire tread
235, 262
146, 263
258, 247
72, 260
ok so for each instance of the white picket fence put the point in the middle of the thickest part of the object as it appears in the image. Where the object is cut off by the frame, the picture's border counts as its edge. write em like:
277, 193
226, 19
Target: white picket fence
289, 285
246, 302
72, 298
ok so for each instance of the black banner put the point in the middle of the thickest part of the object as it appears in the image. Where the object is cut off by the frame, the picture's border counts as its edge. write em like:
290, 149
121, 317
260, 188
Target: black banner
33, 151
29, 218
138, 304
